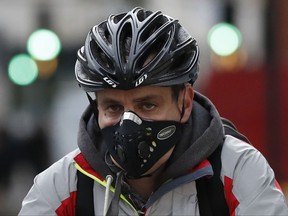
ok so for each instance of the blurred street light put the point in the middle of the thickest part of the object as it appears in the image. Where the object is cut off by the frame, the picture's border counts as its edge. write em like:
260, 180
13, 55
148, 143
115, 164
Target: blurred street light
22, 70
43, 45
224, 39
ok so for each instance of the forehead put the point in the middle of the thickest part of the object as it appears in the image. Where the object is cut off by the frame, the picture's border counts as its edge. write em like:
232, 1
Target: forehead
148, 92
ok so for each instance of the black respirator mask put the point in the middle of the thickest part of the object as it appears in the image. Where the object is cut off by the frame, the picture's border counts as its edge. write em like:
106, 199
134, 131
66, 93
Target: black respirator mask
137, 144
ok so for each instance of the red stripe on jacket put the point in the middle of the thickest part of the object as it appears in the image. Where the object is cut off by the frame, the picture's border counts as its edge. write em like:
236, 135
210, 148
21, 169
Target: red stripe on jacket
68, 206
230, 197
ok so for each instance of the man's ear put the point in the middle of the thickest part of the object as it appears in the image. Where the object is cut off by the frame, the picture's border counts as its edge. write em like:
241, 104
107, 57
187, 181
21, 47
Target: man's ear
187, 102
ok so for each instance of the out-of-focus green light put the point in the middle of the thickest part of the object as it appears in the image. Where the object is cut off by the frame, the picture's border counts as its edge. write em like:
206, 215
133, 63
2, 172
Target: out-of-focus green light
22, 70
224, 39
43, 44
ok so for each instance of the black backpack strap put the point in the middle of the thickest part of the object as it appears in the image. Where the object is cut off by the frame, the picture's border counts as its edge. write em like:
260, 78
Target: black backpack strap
230, 129
84, 199
210, 191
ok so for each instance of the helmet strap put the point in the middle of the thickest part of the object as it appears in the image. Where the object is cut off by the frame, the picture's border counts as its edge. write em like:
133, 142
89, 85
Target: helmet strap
182, 111
93, 104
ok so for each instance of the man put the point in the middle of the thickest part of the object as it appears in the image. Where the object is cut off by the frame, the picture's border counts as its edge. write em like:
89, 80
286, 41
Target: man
150, 133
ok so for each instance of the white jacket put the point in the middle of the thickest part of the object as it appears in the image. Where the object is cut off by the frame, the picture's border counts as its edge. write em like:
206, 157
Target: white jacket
249, 184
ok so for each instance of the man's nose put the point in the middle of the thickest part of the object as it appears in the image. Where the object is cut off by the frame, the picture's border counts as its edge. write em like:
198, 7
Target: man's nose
128, 107
132, 116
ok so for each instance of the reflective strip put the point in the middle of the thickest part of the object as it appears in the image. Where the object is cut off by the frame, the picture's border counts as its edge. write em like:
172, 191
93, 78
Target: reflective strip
79, 168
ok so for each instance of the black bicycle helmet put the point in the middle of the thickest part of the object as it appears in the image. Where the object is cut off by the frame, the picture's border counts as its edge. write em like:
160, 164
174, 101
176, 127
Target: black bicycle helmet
134, 49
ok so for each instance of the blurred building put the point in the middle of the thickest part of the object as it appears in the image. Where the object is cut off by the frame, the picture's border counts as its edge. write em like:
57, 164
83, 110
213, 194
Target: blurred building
39, 121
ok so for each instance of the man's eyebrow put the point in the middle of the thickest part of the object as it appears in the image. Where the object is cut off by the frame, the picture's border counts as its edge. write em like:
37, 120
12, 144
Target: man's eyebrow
147, 98
135, 100
109, 101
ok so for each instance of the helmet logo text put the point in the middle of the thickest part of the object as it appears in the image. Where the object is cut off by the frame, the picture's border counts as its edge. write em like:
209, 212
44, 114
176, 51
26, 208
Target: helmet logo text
141, 80
110, 82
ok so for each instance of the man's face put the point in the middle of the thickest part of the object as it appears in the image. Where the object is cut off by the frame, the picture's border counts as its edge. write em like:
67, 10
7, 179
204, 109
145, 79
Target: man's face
149, 102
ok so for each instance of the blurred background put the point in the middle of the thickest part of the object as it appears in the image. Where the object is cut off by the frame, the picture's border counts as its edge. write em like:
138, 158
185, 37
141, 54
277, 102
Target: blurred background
244, 57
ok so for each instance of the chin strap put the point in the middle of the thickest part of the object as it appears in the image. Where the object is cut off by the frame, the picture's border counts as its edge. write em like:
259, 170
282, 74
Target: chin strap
93, 104
182, 111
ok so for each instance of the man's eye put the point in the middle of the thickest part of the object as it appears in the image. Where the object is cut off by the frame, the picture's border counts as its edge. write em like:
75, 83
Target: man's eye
114, 108
148, 106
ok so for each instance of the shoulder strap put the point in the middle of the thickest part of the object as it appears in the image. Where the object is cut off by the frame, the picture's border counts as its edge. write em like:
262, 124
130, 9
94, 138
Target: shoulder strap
230, 129
210, 192
84, 200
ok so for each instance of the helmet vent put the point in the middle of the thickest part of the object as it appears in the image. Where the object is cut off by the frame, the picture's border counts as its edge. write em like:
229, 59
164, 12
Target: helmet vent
117, 18
125, 43
101, 57
142, 15
104, 33
150, 54
182, 61
154, 26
